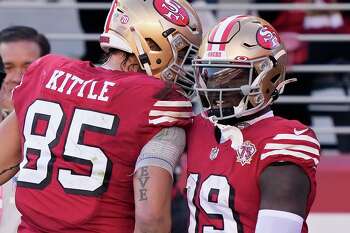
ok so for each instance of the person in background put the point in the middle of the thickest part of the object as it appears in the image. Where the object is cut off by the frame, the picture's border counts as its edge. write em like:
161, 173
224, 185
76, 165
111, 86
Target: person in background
2, 76
104, 140
19, 47
2, 72
247, 170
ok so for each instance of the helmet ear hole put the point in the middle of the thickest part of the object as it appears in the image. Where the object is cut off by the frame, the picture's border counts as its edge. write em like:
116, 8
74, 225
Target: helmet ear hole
153, 45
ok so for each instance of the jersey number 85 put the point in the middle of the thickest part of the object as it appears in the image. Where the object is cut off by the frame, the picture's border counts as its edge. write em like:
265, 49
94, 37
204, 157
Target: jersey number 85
40, 144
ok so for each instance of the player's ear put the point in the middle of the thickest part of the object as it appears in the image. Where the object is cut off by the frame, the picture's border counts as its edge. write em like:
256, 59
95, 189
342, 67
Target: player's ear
129, 62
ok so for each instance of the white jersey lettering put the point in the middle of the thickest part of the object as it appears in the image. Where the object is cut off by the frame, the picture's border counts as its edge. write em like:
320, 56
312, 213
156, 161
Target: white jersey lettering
89, 89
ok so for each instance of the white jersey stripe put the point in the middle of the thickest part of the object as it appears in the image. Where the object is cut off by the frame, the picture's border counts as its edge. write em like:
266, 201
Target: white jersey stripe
170, 113
308, 149
296, 137
162, 120
173, 104
288, 152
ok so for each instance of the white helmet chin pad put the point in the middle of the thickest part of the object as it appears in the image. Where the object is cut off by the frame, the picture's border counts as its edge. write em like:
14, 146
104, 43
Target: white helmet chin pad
113, 40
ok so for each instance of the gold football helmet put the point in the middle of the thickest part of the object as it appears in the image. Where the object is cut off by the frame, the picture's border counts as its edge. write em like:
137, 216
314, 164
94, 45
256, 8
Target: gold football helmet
163, 34
240, 68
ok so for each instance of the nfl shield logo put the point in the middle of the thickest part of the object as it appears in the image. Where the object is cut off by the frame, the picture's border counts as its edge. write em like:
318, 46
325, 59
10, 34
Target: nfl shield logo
214, 153
245, 153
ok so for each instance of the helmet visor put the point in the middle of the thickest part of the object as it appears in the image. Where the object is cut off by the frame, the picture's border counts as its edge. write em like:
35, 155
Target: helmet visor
221, 87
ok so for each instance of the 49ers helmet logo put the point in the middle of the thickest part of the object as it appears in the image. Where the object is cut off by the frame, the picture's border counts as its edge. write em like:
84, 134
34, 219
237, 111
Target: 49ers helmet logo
172, 11
268, 38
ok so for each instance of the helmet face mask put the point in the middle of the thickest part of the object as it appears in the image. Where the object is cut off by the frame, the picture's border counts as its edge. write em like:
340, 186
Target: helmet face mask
184, 52
163, 34
239, 72
230, 88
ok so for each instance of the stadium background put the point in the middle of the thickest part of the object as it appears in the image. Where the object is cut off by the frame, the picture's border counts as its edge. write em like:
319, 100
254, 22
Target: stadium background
320, 59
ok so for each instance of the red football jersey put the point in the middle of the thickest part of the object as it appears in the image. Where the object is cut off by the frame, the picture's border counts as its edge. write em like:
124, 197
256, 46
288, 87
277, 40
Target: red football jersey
223, 183
82, 129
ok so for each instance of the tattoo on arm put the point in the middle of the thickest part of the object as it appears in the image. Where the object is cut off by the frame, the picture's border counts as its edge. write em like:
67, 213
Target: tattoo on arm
143, 178
8, 169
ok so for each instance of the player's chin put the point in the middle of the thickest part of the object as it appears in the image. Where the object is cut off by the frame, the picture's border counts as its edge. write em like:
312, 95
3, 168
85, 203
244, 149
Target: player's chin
220, 113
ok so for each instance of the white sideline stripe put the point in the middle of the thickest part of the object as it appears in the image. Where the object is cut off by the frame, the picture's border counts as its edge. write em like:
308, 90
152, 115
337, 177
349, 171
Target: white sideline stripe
0, 203
287, 152
173, 104
162, 120
297, 137
270, 146
170, 113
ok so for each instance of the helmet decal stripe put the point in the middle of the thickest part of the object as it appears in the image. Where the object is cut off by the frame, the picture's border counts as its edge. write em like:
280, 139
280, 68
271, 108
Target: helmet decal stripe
217, 34
110, 15
211, 37
222, 26
227, 31
213, 32
229, 27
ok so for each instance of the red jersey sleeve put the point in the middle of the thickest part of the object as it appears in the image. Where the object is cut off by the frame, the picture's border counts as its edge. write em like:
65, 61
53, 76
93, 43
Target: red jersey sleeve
162, 104
172, 112
299, 146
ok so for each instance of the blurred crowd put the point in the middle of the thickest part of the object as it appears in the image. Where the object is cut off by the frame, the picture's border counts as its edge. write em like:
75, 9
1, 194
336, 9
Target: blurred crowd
289, 24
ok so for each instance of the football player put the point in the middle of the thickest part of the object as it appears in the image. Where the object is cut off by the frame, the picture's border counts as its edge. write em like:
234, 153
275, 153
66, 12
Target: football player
248, 170
99, 143
19, 47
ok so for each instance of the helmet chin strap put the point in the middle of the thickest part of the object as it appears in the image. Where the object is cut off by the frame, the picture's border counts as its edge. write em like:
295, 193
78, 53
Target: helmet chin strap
143, 56
242, 108
279, 88
229, 132
243, 104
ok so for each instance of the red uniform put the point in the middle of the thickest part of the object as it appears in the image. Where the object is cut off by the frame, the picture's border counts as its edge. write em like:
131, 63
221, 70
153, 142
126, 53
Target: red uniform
82, 129
223, 183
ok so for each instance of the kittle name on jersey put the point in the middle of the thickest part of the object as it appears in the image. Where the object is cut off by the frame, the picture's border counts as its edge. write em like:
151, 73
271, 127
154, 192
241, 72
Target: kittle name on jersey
67, 83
